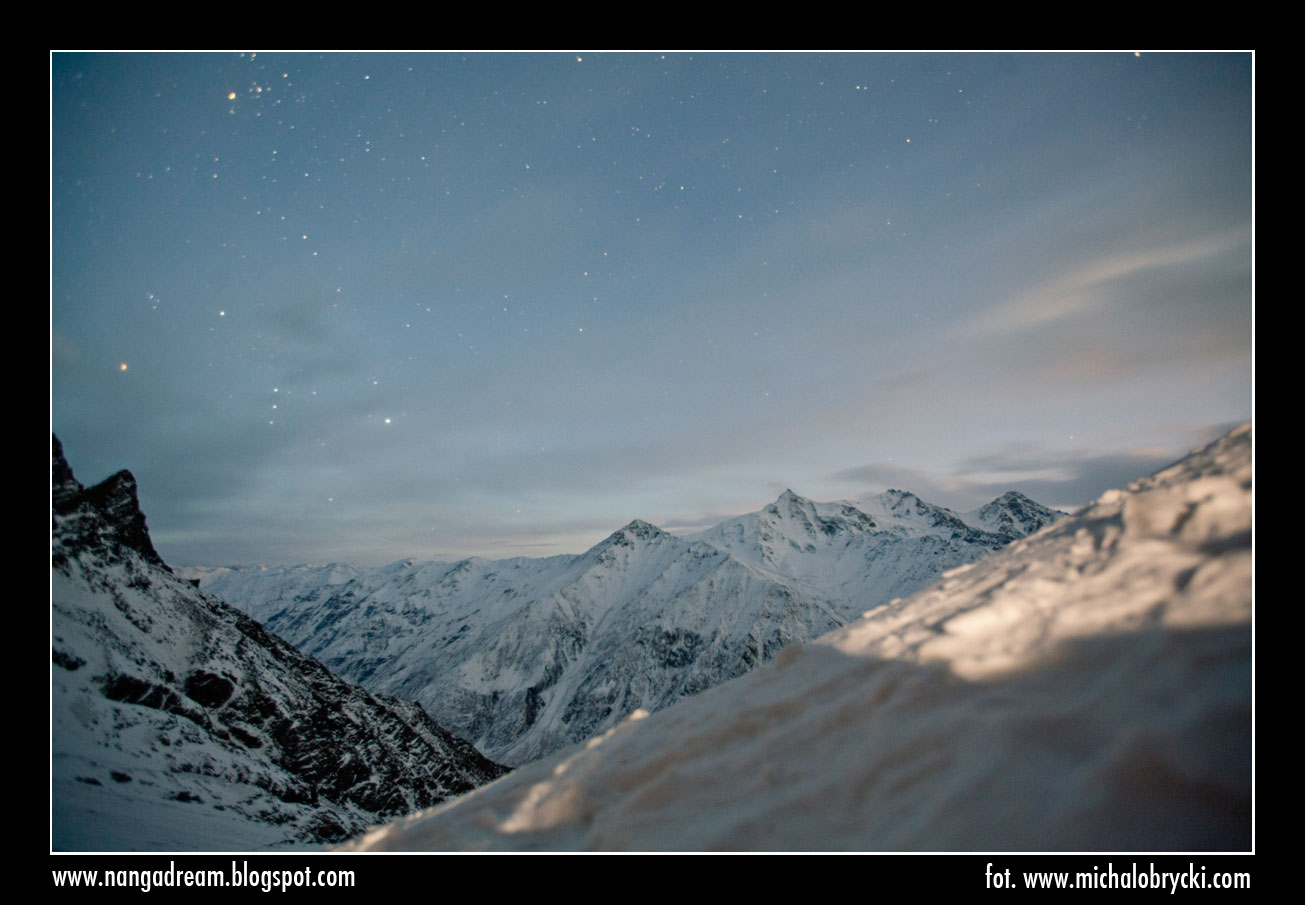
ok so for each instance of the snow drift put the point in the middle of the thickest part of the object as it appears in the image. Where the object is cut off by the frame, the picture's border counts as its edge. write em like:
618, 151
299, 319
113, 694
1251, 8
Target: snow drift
1088, 688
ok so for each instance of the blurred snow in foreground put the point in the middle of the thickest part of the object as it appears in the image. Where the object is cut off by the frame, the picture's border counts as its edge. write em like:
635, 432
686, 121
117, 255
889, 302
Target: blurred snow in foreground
1088, 688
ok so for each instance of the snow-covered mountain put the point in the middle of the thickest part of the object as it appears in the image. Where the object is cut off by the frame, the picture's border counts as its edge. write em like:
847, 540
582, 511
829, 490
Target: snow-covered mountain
525, 656
1012, 515
865, 554
1087, 688
178, 723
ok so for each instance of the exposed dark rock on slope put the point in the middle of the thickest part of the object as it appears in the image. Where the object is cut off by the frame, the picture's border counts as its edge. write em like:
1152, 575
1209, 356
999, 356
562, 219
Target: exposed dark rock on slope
180, 723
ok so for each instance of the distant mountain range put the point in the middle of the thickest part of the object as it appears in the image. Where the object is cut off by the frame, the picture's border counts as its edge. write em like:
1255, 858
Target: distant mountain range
527, 656
1088, 688
179, 723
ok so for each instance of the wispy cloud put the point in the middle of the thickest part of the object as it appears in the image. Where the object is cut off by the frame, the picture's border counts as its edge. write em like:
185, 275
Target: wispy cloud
1086, 288
1061, 479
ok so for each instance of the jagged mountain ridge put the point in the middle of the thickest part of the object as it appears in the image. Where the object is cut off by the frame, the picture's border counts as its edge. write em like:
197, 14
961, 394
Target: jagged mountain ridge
524, 656
179, 723
866, 553
1086, 689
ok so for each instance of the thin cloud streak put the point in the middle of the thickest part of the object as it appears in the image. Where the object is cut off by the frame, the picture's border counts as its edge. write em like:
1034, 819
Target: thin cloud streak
1081, 292
1064, 480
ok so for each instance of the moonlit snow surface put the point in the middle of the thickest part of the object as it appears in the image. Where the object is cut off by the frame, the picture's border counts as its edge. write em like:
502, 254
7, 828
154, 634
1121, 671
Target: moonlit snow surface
1088, 688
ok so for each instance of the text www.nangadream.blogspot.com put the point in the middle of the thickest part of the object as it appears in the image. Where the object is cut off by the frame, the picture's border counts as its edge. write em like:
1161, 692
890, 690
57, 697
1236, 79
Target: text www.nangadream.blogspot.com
240, 875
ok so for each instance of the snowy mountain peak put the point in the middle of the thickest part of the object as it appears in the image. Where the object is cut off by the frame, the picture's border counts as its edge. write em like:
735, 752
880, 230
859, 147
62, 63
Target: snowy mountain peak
121, 522
789, 498
64, 488
1012, 515
116, 497
799, 521
903, 512
792, 505
638, 529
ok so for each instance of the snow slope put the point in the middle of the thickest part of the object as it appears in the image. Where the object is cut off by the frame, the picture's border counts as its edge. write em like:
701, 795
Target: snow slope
179, 724
1088, 688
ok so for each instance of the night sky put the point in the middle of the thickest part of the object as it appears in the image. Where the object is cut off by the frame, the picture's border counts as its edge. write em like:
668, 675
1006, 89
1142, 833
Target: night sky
368, 306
